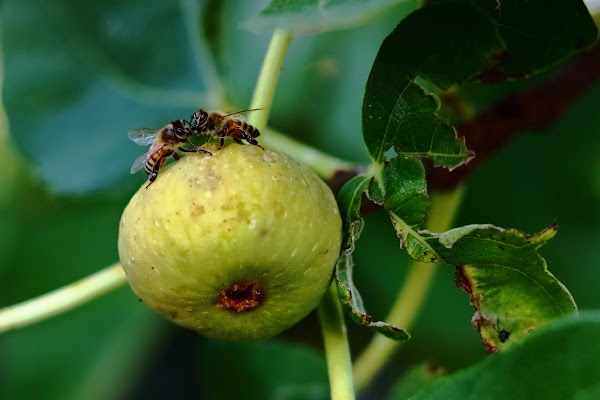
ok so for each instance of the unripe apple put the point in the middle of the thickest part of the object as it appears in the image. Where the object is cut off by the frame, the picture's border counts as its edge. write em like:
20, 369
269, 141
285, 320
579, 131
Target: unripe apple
236, 246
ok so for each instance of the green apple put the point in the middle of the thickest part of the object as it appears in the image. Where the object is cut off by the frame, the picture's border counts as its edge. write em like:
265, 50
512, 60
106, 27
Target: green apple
239, 245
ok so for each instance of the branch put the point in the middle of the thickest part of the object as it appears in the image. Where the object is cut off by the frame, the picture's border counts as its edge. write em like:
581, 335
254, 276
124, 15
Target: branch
63, 299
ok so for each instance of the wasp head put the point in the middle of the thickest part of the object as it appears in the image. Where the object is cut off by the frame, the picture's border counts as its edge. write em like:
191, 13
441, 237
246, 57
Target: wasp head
199, 121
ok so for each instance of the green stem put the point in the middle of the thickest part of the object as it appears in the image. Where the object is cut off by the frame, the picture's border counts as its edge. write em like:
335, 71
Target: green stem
323, 164
337, 351
63, 299
411, 297
267, 78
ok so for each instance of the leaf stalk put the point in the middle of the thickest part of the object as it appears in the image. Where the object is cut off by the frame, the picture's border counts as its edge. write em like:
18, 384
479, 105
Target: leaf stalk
337, 350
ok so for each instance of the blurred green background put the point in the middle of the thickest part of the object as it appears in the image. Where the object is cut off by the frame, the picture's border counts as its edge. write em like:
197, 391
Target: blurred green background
79, 75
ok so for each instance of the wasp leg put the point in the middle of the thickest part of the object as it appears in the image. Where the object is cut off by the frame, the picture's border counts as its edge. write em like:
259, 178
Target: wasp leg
154, 173
250, 139
176, 156
196, 150
238, 140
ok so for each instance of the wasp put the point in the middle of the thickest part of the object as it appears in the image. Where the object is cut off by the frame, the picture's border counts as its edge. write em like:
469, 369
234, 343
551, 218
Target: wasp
165, 142
221, 125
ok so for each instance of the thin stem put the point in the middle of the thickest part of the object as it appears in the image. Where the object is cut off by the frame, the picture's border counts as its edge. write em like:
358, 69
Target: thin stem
63, 299
337, 351
267, 78
411, 297
323, 164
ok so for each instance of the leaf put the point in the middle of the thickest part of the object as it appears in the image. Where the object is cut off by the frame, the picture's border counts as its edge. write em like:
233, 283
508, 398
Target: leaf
558, 362
536, 34
511, 289
415, 379
349, 200
430, 43
271, 369
353, 304
314, 16
401, 187
451, 42
91, 72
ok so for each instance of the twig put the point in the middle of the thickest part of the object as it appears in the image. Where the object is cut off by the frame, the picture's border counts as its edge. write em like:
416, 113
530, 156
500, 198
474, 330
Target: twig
63, 299
337, 351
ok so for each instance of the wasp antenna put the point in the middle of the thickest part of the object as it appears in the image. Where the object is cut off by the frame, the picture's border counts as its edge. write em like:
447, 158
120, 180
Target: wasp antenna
241, 111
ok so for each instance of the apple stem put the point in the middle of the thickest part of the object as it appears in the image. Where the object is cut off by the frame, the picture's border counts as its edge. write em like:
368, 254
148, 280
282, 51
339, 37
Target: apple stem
63, 299
443, 207
337, 351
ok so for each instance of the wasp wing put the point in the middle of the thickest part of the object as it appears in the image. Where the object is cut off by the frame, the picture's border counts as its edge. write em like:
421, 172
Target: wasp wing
139, 163
242, 111
143, 136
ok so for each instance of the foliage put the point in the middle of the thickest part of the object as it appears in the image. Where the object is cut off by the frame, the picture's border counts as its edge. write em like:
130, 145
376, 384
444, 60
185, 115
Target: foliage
79, 75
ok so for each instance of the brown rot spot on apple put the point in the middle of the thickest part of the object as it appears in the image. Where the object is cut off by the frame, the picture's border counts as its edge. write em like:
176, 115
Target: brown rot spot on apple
241, 297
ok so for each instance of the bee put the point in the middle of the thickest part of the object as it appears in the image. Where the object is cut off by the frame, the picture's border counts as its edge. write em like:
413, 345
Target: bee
165, 142
221, 125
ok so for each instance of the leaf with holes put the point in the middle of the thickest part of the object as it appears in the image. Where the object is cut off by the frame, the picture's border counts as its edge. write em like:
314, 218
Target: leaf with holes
353, 304
349, 200
511, 289
452, 42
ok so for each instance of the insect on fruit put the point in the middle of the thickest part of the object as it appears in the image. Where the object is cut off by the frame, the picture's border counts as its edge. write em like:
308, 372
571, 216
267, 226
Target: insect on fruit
222, 125
165, 142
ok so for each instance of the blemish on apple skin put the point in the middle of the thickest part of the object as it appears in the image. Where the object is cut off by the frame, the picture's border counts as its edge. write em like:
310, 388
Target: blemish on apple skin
241, 297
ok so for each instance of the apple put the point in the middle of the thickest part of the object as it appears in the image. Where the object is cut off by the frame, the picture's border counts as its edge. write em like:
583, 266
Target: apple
239, 245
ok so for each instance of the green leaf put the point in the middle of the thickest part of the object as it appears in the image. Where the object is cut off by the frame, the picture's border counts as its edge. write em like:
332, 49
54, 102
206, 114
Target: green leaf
511, 289
80, 75
536, 34
430, 43
401, 187
271, 369
314, 16
415, 379
451, 42
349, 200
353, 304
558, 362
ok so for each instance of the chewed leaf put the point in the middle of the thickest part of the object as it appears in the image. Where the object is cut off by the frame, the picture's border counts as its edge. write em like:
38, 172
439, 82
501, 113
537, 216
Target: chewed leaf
452, 42
314, 16
353, 304
511, 289
349, 200
408, 123
435, 42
